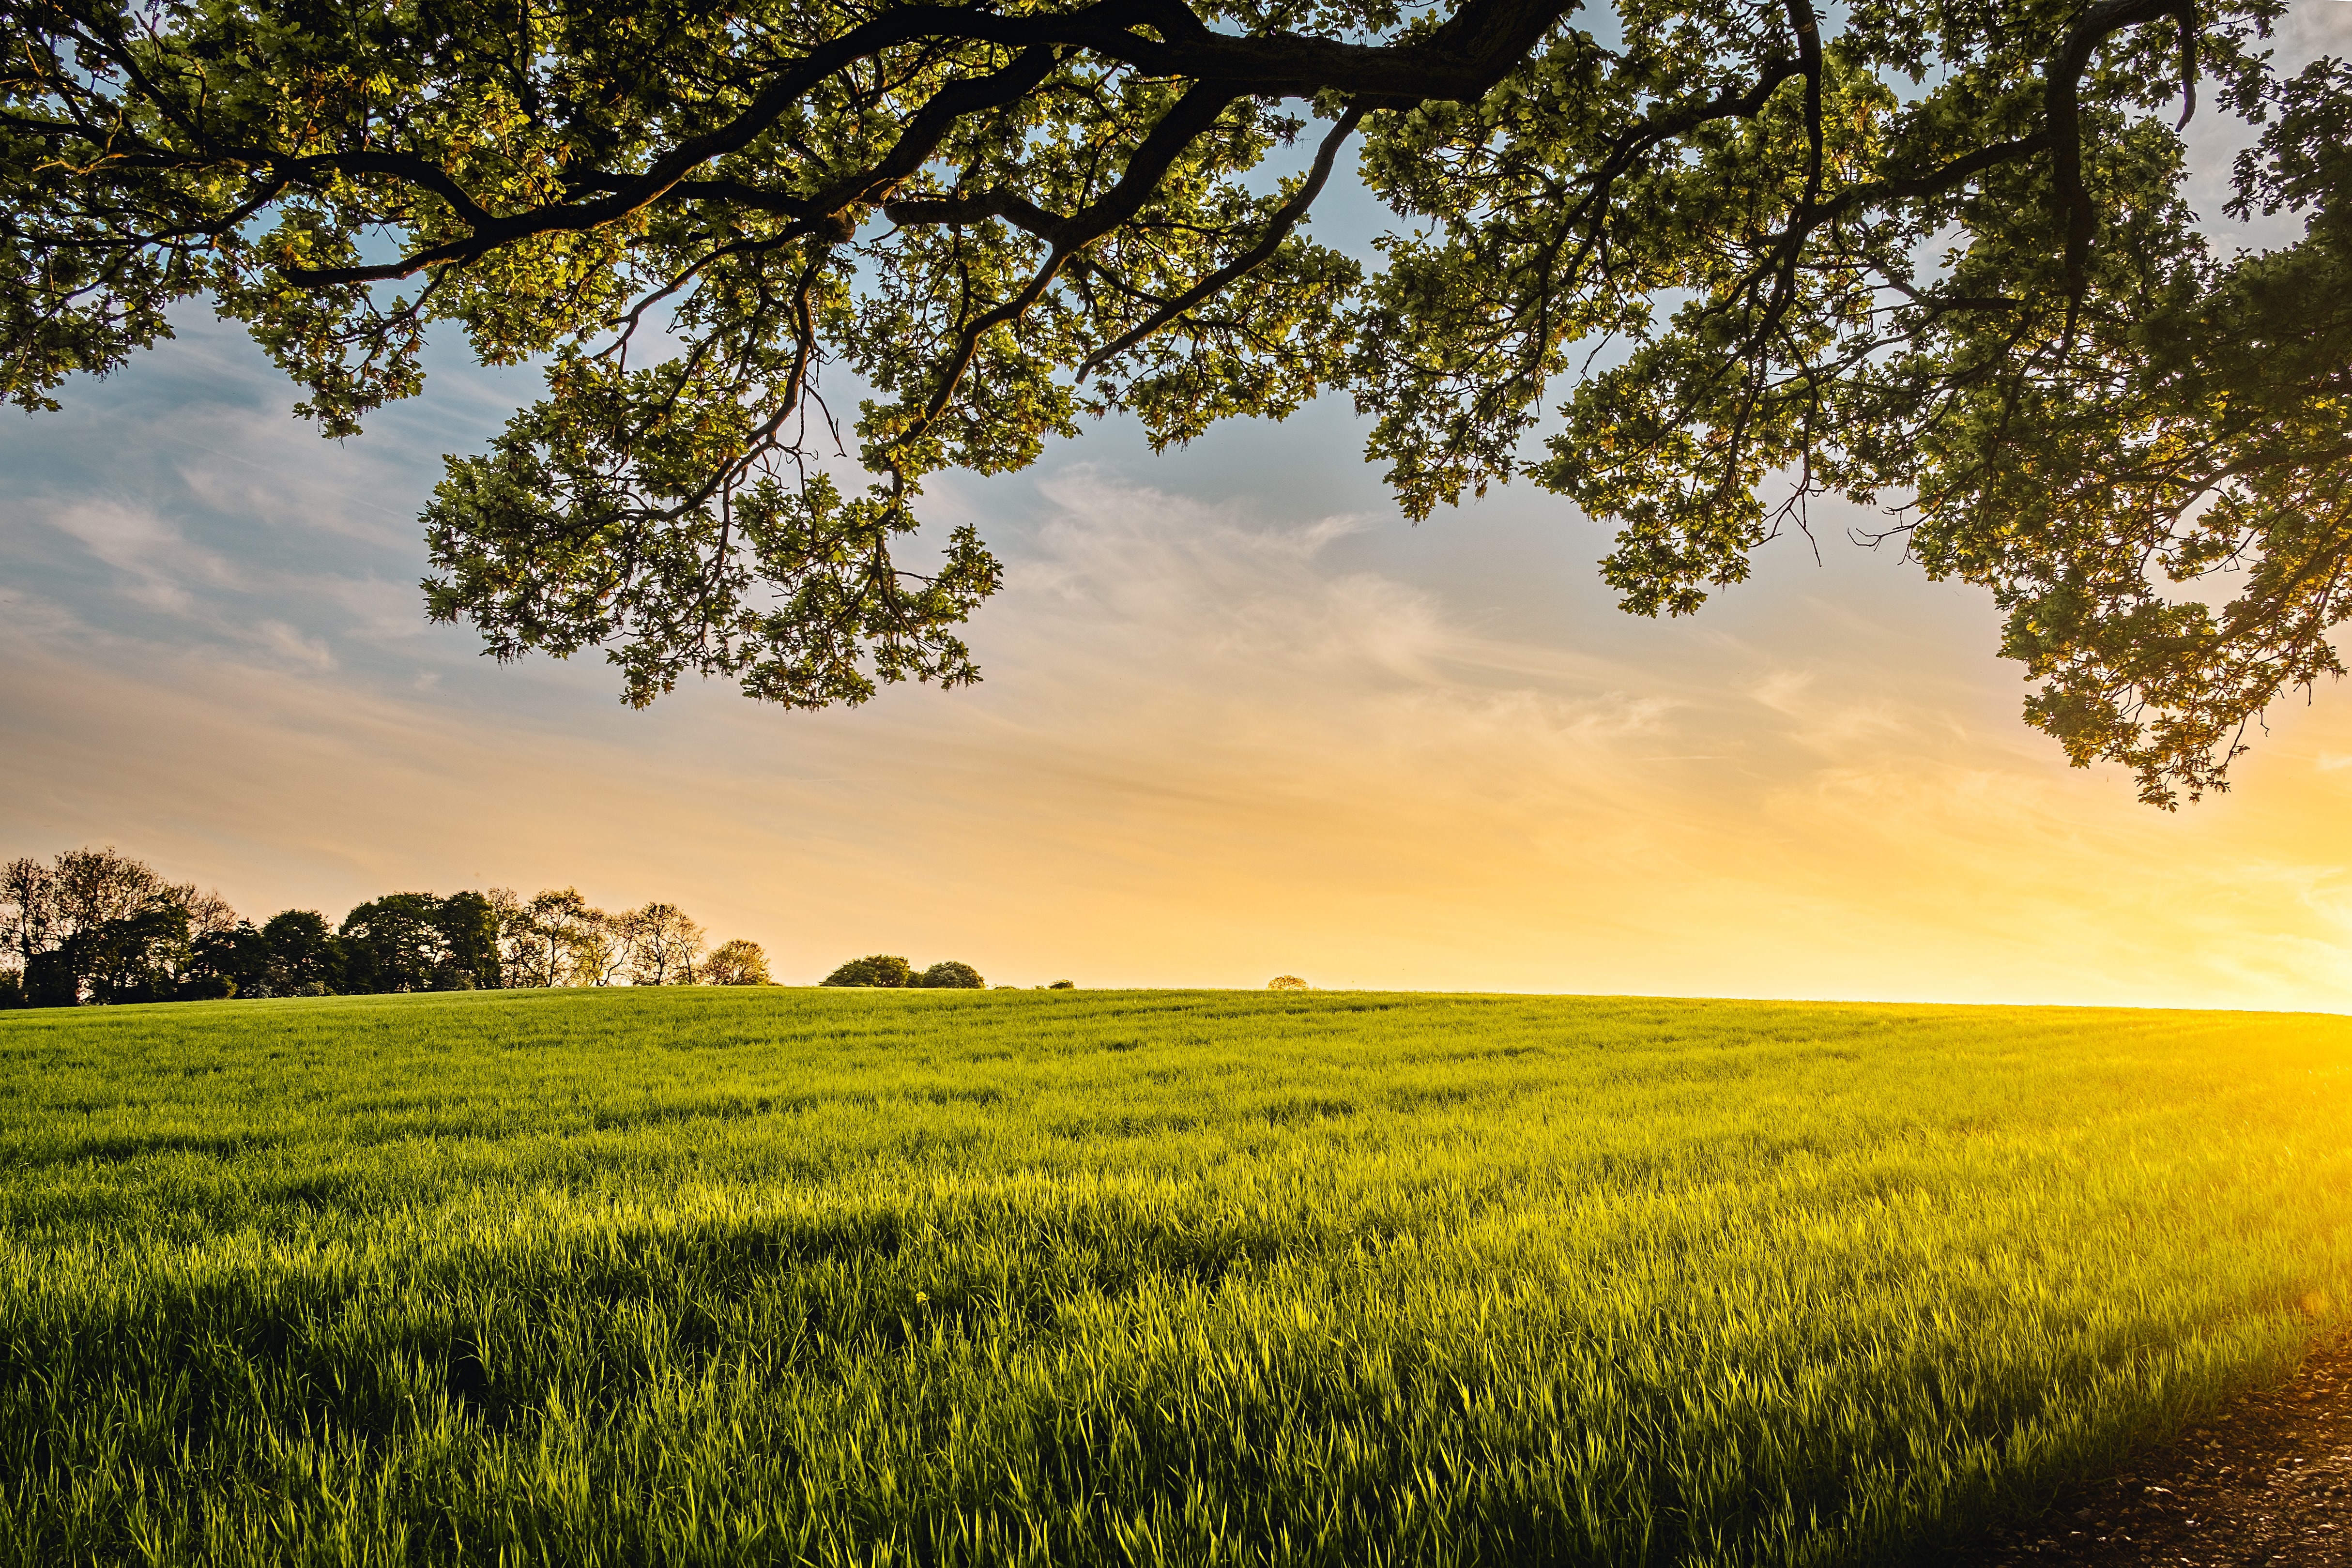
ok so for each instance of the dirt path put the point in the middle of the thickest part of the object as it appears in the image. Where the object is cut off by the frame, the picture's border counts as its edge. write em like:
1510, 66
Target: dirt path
2268, 1482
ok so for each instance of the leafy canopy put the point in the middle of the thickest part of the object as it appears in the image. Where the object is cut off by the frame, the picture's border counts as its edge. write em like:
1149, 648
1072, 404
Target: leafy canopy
1935, 253
876, 969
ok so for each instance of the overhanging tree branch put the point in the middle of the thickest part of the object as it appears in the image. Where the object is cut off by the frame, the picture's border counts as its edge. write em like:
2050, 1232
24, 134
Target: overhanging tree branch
1067, 189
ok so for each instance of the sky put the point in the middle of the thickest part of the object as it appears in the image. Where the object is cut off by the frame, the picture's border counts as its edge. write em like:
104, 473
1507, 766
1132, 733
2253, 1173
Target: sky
1239, 719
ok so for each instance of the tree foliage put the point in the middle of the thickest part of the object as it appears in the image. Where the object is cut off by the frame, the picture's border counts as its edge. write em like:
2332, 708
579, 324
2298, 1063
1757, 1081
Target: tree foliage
306, 957
236, 962
951, 974
552, 940
557, 938
875, 969
663, 946
1937, 254
736, 962
46, 904
394, 944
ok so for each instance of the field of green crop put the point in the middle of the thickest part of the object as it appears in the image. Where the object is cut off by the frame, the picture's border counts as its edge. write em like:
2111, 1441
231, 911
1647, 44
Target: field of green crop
711, 1276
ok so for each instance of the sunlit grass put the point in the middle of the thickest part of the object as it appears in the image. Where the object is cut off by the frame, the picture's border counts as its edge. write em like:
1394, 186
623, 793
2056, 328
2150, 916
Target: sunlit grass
778, 1276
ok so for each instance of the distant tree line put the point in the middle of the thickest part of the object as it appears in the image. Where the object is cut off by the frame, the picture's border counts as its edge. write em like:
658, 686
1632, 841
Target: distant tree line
95, 926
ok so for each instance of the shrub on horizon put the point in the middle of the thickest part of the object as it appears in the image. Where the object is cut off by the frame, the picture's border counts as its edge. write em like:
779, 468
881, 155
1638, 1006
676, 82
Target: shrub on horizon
1288, 983
1062, 985
952, 974
876, 969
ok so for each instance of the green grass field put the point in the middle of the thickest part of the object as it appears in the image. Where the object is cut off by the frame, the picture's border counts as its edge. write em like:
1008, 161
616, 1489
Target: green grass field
790, 1275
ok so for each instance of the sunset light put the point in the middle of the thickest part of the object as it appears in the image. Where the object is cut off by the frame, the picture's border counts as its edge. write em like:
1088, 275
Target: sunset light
1193, 783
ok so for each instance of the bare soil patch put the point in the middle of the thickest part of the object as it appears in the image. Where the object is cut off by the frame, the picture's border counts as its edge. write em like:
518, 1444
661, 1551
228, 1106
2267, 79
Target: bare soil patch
2267, 1482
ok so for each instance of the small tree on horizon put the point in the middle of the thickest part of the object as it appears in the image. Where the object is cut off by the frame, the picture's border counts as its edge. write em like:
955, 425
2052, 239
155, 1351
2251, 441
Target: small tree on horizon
664, 946
952, 974
470, 927
736, 962
306, 957
559, 939
393, 943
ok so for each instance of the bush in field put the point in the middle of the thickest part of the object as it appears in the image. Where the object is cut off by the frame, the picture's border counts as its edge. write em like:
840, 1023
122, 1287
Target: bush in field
877, 969
736, 963
1062, 985
1288, 983
951, 974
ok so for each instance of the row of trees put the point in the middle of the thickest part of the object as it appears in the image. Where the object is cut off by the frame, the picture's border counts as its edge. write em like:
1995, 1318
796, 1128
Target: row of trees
559, 938
95, 926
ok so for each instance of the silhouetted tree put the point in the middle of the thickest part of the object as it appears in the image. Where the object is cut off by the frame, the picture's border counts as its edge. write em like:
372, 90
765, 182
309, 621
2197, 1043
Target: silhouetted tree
306, 957
663, 946
94, 886
47, 905
394, 944
231, 963
51, 980
28, 909
209, 915
138, 957
949, 974
106, 926
95, 924
469, 928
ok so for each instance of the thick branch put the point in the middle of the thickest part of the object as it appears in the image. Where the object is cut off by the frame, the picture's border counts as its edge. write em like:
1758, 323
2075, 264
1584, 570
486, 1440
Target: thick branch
1193, 113
1018, 211
1460, 61
2062, 114
1285, 220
